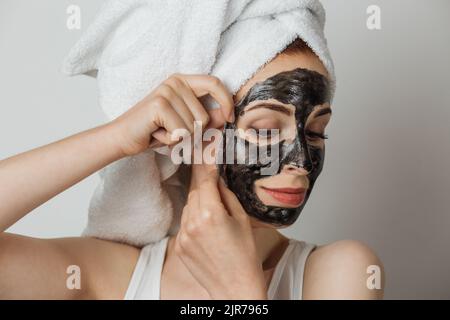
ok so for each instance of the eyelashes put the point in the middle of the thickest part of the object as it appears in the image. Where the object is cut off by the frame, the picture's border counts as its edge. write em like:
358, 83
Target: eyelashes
267, 133
316, 134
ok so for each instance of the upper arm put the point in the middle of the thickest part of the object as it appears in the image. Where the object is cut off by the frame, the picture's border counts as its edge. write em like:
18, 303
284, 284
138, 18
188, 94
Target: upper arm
40, 268
343, 270
32, 269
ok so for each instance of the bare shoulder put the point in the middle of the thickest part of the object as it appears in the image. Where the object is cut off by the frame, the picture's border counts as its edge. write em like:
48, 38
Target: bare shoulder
32, 268
345, 269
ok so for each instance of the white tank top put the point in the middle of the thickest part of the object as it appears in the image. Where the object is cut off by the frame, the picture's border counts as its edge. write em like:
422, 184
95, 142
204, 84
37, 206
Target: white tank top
286, 282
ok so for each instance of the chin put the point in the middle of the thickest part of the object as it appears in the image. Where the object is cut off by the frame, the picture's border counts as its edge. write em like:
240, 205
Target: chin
255, 223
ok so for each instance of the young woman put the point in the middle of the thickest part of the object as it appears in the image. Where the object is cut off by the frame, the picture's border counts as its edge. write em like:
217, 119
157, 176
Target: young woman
221, 251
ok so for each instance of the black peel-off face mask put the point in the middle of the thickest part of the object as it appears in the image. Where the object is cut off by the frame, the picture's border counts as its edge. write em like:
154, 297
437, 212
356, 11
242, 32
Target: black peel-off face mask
303, 89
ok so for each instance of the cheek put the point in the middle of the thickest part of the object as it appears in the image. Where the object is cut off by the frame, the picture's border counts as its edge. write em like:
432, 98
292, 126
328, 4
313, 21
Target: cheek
262, 196
289, 131
317, 157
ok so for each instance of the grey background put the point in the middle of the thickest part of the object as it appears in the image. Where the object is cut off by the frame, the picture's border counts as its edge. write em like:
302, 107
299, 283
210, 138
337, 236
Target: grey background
386, 180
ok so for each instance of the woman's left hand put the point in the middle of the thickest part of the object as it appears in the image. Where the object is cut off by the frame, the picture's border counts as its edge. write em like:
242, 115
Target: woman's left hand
216, 242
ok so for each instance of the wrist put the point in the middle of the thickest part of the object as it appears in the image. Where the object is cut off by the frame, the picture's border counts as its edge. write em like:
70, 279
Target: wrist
111, 140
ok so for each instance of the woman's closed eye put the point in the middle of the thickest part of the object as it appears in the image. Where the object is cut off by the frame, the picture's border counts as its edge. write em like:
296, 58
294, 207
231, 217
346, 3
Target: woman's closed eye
265, 128
315, 127
265, 124
266, 133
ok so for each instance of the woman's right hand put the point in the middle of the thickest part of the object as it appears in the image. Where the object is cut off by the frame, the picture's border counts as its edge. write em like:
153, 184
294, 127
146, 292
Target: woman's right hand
172, 105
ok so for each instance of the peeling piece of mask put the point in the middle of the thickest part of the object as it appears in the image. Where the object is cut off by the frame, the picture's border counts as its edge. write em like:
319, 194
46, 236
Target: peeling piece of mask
303, 89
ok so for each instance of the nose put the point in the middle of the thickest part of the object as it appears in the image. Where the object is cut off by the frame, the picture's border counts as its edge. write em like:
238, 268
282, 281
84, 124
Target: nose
294, 169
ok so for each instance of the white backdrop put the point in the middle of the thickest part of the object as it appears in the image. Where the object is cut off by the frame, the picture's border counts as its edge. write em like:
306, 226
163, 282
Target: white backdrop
386, 180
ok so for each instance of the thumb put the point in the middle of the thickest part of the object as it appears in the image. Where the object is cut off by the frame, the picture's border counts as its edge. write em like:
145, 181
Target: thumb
162, 137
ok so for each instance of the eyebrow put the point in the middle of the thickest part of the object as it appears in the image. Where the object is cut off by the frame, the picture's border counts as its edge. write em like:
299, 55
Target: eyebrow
285, 110
271, 106
323, 112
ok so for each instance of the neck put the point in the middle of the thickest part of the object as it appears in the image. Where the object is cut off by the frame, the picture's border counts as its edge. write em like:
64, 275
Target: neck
267, 240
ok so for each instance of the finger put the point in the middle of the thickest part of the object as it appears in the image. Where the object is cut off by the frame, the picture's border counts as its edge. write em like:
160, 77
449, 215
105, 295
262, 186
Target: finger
209, 194
190, 219
159, 138
201, 173
178, 105
230, 201
206, 84
209, 118
168, 119
216, 119
162, 138
184, 216
210, 204
191, 206
198, 111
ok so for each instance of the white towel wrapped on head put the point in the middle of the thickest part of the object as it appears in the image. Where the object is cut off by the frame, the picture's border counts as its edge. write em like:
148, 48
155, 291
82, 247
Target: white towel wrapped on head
134, 45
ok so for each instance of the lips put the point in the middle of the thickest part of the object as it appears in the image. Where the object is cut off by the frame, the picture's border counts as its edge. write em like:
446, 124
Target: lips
290, 196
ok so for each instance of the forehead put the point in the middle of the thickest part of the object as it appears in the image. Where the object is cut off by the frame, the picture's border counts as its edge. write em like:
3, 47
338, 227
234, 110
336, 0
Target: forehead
280, 63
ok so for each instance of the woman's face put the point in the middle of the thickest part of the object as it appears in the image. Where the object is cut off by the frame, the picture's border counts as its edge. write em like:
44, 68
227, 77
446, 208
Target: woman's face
290, 95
